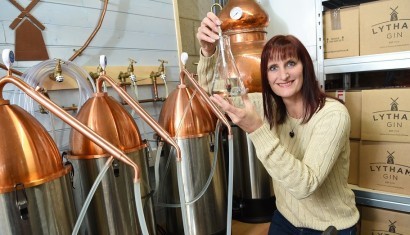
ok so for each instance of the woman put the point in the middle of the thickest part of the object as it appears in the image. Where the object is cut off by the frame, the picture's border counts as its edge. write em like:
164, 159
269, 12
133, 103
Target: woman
302, 138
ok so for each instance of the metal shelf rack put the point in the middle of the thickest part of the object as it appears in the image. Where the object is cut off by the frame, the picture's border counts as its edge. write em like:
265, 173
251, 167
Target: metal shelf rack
377, 62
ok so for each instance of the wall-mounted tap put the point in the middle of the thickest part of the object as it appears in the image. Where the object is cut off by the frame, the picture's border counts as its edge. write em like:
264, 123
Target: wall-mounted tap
161, 70
161, 74
58, 72
129, 74
95, 75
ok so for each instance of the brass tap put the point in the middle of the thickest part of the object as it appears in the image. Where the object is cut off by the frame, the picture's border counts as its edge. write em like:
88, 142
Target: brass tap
130, 72
58, 72
161, 70
93, 75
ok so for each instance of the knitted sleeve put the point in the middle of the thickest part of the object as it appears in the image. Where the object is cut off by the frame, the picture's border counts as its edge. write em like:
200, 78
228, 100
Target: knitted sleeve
205, 71
323, 140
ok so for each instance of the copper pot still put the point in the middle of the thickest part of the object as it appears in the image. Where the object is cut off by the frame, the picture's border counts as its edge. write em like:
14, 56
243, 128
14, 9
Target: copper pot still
248, 36
112, 209
189, 120
35, 185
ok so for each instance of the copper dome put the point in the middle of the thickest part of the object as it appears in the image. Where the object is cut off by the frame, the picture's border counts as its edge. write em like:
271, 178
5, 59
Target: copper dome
198, 120
248, 37
28, 154
109, 119
253, 16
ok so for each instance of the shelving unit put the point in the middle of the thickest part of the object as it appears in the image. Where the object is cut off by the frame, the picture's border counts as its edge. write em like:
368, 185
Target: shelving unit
387, 61
376, 62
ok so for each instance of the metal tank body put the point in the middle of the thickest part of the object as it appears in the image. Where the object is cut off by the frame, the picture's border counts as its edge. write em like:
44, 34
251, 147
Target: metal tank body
253, 194
112, 209
188, 119
35, 186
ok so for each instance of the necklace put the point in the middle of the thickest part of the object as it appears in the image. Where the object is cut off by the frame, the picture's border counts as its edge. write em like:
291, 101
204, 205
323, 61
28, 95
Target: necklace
292, 132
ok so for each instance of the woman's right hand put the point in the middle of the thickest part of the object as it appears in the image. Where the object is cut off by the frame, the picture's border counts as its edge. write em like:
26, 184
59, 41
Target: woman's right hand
207, 34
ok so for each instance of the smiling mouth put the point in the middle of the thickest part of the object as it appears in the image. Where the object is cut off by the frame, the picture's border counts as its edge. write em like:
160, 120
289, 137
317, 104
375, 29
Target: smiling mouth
287, 84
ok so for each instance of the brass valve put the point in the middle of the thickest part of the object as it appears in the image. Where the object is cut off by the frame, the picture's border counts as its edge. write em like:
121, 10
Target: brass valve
95, 75
161, 70
58, 72
130, 72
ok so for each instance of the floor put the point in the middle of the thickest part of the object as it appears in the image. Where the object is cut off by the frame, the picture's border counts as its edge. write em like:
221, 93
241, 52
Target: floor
240, 228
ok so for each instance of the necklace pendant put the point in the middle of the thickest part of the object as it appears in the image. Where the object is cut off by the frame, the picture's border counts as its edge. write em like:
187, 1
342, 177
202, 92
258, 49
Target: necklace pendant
291, 134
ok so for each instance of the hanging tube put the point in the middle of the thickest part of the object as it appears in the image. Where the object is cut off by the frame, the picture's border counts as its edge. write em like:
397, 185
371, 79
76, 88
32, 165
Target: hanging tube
224, 120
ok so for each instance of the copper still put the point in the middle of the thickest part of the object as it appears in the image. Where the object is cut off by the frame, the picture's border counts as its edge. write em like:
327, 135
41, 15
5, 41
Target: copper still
35, 185
189, 120
112, 210
245, 22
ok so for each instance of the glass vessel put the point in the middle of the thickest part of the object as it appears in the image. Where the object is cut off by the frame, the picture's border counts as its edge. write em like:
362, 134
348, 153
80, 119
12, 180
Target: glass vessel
226, 80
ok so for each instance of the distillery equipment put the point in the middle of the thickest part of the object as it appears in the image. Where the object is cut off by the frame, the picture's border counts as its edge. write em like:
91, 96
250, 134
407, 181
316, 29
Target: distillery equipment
244, 21
45, 74
190, 117
112, 210
35, 186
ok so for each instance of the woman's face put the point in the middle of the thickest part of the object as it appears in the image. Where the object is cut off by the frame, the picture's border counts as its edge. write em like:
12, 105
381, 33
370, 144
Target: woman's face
286, 78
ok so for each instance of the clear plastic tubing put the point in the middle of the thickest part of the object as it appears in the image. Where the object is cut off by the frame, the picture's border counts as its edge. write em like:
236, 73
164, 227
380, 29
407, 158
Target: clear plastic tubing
140, 211
91, 194
230, 186
182, 198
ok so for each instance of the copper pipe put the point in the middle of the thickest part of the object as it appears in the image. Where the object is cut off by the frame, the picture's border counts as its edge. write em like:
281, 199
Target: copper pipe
137, 108
78, 52
63, 115
16, 72
203, 93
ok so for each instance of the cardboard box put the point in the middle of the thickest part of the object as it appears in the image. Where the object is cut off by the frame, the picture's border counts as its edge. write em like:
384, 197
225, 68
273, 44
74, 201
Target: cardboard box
354, 162
341, 32
385, 166
384, 26
386, 115
353, 102
381, 221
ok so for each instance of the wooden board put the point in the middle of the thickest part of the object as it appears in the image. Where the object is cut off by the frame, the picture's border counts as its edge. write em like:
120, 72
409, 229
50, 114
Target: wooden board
141, 72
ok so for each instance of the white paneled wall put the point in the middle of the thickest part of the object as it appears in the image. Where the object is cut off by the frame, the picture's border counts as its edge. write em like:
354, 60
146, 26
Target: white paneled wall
143, 30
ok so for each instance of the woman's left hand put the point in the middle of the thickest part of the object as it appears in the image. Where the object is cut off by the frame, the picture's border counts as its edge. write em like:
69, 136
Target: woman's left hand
246, 118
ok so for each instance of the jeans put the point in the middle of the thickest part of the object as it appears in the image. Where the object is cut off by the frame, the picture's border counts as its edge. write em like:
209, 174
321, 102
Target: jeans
281, 226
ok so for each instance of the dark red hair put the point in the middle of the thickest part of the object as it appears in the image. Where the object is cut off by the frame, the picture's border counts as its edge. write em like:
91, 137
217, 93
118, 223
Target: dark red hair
283, 47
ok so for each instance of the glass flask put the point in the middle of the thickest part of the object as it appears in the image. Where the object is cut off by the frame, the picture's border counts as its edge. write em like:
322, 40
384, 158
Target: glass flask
226, 80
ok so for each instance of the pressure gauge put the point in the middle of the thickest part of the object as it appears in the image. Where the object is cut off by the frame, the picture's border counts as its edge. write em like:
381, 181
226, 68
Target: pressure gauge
236, 13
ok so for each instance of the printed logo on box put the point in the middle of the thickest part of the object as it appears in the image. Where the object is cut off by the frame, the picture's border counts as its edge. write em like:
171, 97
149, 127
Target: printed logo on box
393, 28
390, 171
391, 230
394, 118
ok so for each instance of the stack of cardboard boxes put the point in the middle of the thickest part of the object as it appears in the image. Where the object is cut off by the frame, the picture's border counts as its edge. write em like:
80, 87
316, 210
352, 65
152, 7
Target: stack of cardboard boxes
370, 28
380, 148
380, 119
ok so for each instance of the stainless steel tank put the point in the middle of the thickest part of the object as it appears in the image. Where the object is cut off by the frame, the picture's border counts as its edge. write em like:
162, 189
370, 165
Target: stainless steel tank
188, 119
35, 185
253, 194
112, 209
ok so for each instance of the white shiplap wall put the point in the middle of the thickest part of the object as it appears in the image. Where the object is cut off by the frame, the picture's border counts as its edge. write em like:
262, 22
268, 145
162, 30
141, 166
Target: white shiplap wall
140, 29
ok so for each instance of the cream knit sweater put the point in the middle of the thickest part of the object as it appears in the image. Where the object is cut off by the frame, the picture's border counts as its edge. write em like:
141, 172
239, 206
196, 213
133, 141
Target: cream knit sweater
310, 170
